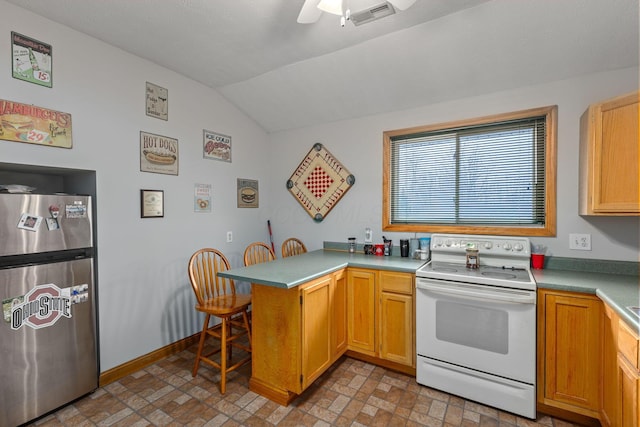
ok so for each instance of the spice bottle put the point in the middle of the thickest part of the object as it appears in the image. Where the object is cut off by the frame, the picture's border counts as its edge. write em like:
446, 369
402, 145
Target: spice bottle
473, 259
352, 245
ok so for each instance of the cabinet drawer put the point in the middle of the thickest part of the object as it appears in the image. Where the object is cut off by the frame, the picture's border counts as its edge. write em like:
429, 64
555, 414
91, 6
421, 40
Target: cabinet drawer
391, 281
628, 344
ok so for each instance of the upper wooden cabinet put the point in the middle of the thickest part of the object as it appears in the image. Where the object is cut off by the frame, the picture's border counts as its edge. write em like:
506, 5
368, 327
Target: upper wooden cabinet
609, 158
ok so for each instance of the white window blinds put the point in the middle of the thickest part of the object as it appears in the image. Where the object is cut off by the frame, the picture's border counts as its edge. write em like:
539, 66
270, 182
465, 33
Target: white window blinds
488, 174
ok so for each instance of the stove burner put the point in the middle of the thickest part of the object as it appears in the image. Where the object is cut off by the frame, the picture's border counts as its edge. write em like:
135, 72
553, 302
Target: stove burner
498, 275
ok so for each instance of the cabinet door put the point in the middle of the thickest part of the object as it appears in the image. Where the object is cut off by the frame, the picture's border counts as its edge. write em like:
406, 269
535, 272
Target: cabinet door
610, 396
396, 328
316, 329
361, 298
629, 392
339, 303
609, 158
572, 352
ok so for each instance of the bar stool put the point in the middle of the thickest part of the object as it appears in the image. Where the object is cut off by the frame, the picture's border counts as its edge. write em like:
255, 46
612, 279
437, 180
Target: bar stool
217, 297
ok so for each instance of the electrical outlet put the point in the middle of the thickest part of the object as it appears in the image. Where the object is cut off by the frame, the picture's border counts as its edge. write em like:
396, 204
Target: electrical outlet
229, 237
580, 242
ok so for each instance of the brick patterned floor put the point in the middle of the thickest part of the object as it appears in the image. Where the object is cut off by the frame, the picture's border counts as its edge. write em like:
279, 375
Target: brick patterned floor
350, 393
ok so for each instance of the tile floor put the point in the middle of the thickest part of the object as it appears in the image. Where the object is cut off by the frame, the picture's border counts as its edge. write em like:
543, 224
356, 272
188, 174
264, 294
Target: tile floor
351, 393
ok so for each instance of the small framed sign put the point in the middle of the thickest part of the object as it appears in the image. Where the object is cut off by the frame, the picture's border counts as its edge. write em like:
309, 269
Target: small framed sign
151, 203
157, 104
31, 60
216, 146
248, 193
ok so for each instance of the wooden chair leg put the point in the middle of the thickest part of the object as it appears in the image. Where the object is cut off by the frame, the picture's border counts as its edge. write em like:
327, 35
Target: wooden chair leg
203, 335
223, 356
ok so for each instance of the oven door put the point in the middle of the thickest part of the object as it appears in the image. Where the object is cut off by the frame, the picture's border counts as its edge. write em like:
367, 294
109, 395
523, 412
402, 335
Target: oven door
483, 328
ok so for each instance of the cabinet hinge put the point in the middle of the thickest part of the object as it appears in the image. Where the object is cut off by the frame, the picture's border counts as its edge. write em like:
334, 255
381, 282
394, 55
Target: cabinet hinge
300, 299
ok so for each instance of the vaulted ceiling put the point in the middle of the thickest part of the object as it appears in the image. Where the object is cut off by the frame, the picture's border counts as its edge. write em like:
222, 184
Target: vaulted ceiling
287, 75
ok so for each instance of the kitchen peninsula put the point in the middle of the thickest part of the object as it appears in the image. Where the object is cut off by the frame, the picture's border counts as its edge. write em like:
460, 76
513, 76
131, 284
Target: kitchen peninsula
308, 310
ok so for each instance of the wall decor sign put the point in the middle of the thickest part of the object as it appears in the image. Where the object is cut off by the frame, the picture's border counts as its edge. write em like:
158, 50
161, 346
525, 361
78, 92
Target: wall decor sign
151, 203
158, 154
216, 146
34, 125
31, 60
248, 193
202, 198
157, 102
319, 182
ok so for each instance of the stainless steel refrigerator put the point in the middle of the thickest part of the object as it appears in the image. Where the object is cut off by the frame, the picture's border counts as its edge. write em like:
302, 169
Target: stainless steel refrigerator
48, 339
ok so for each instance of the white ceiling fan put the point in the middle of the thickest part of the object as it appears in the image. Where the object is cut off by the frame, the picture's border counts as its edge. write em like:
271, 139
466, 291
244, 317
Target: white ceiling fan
312, 9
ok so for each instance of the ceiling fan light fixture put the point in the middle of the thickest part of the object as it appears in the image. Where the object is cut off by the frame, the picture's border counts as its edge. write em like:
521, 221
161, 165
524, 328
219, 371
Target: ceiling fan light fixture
331, 6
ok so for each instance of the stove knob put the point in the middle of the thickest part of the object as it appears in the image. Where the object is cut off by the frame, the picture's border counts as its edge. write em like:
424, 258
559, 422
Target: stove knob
518, 247
447, 242
438, 242
488, 245
507, 246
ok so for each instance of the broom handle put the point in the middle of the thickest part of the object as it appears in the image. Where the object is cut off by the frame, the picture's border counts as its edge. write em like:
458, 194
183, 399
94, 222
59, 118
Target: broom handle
273, 248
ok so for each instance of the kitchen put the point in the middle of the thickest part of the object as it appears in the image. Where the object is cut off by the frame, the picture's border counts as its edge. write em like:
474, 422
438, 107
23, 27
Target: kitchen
144, 260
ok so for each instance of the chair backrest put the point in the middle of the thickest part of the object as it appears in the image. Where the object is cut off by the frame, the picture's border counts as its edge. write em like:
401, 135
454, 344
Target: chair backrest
258, 252
293, 246
204, 266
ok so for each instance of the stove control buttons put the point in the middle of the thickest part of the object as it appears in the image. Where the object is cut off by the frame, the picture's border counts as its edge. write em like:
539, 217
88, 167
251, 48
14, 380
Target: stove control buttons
507, 246
488, 245
447, 242
518, 247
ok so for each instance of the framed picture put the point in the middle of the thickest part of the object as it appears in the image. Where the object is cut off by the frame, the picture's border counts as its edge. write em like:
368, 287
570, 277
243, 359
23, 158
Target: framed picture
216, 146
29, 222
158, 154
34, 125
202, 198
248, 193
157, 102
31, 60
151, 203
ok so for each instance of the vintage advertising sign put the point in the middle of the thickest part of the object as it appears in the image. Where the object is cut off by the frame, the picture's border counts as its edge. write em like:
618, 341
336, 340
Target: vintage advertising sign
216, 146
34, 125
158, 154
319, 182
31, 60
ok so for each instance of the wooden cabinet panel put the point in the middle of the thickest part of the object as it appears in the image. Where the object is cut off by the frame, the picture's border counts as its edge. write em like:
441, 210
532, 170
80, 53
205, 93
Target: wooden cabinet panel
609, 152
610, 401
361, 299
629, 393
393, 281
396, 328
317, 314
571, 351
339, 303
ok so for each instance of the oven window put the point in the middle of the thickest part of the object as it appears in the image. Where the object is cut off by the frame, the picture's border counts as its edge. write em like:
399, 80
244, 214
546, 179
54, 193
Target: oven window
473, 326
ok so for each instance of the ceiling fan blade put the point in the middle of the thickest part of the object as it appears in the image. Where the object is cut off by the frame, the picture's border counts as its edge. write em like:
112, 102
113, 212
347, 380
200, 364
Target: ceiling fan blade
309, 12
402, 4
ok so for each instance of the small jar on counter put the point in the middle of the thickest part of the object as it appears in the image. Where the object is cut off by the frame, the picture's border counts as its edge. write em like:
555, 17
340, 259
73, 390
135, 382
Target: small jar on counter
473, 259
352, 245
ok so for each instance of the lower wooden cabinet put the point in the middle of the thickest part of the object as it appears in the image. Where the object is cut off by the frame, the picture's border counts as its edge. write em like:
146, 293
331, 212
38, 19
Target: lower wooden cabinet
628, 392
569, 351
381, 315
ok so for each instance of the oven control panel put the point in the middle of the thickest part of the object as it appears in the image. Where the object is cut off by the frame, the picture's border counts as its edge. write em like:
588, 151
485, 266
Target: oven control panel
486, 245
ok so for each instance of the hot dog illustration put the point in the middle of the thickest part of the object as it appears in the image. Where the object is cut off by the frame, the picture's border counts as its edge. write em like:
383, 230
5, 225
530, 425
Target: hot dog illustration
159, 159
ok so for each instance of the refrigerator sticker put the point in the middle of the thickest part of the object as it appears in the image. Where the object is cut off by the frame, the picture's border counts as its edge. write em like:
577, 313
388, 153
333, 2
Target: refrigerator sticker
41, 307
29, 222
76, 211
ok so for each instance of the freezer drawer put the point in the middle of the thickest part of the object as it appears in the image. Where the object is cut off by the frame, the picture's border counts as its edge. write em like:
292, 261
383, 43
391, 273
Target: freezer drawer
47, 338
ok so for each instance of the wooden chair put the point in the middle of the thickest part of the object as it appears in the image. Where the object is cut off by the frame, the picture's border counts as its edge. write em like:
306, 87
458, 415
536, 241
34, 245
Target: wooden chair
217, 297
258, 252
293, 246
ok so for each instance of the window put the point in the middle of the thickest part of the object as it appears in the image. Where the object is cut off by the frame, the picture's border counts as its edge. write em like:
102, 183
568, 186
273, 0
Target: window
492, 175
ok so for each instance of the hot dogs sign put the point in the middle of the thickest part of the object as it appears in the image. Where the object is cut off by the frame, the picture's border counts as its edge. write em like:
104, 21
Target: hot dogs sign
158, 154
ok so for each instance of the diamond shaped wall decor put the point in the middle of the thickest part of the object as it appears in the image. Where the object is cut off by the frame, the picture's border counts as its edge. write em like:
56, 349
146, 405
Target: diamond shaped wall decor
319, 182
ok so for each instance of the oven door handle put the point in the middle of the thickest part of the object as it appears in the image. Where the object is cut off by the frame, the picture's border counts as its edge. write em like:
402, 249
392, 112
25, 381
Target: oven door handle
480, 292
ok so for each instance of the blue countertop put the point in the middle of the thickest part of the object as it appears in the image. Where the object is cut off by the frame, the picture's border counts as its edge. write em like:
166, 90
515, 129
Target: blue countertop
617, 290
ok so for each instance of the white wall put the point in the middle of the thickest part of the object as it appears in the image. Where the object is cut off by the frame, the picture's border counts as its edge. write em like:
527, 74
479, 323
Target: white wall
145, 300
358, 145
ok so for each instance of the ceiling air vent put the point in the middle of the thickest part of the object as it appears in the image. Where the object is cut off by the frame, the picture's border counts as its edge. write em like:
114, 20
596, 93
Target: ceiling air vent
373, 13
